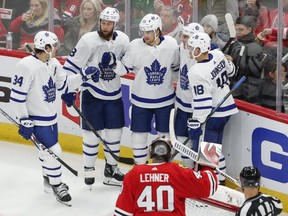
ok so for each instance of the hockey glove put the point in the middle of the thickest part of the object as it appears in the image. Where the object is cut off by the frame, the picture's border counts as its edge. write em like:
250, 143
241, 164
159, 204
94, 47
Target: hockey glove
194, 129
69, 98
90, 73
108, 60
26, 128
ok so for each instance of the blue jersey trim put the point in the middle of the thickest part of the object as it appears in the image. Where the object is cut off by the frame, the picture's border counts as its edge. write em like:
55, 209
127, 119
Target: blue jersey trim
158, 100
99, 91
43, 118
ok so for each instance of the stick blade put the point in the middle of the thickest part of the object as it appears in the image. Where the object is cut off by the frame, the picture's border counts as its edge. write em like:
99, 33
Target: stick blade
230, 24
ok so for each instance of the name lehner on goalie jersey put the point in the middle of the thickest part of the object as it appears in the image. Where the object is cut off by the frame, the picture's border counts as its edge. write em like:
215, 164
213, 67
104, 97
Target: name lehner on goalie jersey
210, 85
88, 52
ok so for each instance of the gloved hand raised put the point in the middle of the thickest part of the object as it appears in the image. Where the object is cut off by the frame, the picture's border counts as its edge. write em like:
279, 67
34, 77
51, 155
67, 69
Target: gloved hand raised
194, 129
26, 128
69, 98
108, 60
90, 73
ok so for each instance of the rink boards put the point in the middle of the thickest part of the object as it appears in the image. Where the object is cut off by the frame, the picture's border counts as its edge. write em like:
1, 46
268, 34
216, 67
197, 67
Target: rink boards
255, 136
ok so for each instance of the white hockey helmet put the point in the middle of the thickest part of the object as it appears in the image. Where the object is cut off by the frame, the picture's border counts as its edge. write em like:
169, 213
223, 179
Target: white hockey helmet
110, 14
150, 22
200, 40
192, 28
44, 38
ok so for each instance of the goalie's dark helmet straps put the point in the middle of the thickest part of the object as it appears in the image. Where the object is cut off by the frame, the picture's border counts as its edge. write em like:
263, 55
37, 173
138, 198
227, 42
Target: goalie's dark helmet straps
161, 148
250, 177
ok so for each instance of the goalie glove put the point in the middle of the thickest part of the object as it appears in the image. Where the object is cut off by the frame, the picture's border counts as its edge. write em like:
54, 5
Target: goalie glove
69, 98
209, 154
90, 73
26, 128
194, 129
108, 60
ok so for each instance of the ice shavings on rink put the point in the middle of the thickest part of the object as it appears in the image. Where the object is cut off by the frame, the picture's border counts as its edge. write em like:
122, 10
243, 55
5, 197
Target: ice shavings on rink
22, 193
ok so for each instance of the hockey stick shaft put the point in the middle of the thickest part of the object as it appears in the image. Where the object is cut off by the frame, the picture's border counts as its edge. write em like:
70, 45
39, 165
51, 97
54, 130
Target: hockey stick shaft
117, 158
232, 30
215, 109
40, 146
189, 152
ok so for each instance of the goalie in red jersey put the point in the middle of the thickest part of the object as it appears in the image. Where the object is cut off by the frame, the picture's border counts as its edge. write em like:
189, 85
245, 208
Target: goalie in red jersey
160, 188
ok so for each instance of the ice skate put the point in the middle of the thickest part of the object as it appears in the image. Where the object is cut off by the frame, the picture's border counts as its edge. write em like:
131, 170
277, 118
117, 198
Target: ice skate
89, 180
61, 193
113, 176
47, 187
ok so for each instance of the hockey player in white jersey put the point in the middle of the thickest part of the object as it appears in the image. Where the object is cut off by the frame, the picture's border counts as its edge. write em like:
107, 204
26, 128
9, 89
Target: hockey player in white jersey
153, 58
35, 81
101, 101
183, 90
256, 203
209, 81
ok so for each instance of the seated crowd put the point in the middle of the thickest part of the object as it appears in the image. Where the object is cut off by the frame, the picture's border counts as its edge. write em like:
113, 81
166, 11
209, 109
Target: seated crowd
256, 30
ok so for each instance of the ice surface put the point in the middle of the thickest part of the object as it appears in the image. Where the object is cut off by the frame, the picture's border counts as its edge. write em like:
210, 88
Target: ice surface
21, 186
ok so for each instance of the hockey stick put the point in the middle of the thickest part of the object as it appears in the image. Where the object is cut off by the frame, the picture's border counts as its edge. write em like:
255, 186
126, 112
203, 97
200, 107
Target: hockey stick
231, 28
40, 146
117, 158
189, 152
215, 108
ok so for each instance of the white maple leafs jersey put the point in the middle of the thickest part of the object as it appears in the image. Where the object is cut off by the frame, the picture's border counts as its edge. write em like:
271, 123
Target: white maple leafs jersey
34, 85
209, 81
183, 90
88, 52
153, 67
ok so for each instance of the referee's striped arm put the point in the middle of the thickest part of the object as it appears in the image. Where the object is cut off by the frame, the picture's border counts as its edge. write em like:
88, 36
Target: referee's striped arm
261, 205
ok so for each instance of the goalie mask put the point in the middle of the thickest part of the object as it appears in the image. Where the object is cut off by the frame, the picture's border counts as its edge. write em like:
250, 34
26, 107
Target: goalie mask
161, 148
250, 177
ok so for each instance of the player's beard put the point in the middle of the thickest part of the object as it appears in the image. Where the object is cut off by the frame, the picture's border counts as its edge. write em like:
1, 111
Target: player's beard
106, 36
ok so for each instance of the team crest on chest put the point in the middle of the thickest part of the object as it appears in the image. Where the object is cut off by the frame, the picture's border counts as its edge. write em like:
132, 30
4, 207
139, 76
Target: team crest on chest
107, 73
184, 82
49, 91
155, 74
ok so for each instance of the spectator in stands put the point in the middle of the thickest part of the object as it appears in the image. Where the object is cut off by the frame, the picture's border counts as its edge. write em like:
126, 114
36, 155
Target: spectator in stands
33, 21
170, 22
3, 31
256, 202
139, 9
121, 24
268, 89
268, 37
184, 8
254, 8
210, 25
18, 7
251, 63
219, 8
67, 9
87, 21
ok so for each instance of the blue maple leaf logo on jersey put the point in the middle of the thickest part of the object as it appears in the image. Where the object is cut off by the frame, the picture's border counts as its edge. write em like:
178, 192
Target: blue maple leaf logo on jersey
155, 74
49, 91
107, 73
184, 81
